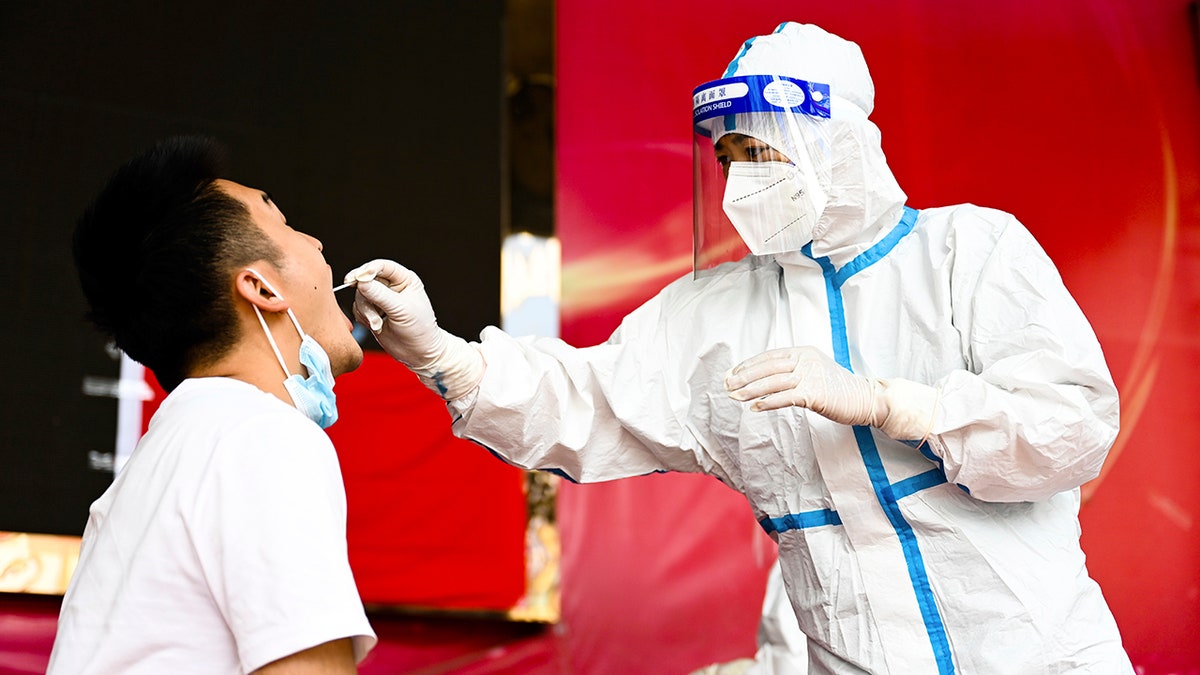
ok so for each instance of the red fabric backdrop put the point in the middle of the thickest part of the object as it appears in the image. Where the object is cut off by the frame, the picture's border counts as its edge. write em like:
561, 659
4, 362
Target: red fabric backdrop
433, 521
1080, 117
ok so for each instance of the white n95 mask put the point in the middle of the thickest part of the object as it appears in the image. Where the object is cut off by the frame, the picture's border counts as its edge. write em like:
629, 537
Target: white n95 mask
774, 206
312, 395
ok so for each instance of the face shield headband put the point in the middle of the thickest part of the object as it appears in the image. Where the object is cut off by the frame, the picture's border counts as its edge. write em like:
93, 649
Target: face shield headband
756, 93
744, 204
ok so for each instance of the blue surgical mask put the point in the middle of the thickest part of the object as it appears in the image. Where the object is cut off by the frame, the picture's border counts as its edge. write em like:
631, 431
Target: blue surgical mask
312, 395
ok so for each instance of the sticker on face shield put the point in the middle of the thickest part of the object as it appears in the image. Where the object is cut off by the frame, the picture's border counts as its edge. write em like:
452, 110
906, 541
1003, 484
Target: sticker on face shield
758, 93
784, 94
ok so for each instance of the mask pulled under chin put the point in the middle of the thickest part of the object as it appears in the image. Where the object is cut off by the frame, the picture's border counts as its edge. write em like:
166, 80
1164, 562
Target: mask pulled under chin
774, 206
312, 395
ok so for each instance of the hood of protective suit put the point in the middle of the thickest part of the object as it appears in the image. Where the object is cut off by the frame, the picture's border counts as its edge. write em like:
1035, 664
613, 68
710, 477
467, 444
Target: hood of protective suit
865, 200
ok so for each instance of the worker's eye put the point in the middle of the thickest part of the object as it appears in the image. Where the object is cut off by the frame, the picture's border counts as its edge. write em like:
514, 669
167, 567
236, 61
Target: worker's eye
757, 153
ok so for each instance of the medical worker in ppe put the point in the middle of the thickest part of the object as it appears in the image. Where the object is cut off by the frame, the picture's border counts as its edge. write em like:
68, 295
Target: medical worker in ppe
908, 399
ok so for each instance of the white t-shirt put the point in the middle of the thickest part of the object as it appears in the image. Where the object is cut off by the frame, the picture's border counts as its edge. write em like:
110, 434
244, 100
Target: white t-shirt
220, 548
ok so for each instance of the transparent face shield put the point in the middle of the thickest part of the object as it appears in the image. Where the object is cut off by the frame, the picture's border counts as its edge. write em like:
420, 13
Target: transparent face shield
760, 158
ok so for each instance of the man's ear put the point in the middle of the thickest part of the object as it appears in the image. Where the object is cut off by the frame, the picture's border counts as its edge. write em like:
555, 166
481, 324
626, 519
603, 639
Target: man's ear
253, 289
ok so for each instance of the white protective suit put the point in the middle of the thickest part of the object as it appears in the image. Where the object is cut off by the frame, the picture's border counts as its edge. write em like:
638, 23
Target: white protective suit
960, 555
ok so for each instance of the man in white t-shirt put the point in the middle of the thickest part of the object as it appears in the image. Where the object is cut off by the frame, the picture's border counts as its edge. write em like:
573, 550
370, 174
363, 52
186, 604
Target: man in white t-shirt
221, 546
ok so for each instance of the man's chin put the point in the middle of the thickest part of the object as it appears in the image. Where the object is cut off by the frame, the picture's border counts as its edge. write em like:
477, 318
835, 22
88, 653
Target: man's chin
350, 361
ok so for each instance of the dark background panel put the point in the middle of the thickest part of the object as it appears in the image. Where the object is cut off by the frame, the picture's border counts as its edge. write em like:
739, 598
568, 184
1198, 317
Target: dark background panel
376, 126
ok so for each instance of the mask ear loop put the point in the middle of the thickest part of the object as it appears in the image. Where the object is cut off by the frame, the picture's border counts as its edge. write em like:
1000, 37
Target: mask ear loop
807, 168
793, 126
274, 347
263, 322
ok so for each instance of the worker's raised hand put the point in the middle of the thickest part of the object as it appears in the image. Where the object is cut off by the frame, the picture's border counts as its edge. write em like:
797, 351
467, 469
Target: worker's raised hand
392, 302
806, 377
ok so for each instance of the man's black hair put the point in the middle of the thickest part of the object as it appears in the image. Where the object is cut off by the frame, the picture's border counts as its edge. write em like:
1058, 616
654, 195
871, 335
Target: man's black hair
156, 252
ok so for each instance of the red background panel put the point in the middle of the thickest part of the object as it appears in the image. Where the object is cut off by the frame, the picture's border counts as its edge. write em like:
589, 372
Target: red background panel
433, 520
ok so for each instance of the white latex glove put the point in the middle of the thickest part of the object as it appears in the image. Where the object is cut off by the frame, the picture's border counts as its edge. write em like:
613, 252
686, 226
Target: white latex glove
392, 302
806, 377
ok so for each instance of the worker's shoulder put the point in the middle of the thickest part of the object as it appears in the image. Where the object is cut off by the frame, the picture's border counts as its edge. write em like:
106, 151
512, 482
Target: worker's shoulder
968, 224
730, 283
721, 276
968, 216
